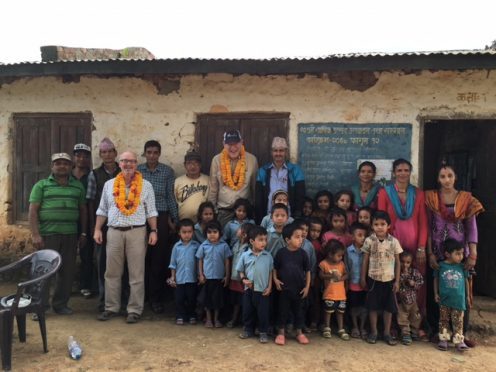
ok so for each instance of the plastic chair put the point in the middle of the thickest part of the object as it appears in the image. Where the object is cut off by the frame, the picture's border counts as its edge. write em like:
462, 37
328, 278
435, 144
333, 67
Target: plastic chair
31, 297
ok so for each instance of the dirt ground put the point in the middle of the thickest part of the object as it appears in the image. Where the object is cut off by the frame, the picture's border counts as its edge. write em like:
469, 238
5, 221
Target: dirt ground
156, 343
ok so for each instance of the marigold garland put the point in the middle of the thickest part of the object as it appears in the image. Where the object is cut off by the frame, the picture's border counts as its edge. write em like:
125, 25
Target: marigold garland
129, 205
236, 181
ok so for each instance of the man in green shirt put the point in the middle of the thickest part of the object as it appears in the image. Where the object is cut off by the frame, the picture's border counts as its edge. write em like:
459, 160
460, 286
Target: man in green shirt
56, 204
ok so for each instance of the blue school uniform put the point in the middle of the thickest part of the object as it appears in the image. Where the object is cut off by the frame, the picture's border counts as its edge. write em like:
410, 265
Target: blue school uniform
183, 260
230, 231
256, 268
214, 256
198, 234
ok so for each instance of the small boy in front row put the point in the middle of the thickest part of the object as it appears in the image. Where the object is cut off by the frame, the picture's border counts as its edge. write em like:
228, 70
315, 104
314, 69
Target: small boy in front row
381, 275
255, 270
214, 271
292, 279
451, 292
184, 273
409, 317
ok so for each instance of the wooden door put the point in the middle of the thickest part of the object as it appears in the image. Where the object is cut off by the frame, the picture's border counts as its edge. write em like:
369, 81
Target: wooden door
37, 137
257, 131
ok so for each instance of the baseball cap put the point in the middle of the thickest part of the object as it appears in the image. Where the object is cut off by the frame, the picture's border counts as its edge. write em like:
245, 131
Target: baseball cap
61, 155
81, 147
232, 136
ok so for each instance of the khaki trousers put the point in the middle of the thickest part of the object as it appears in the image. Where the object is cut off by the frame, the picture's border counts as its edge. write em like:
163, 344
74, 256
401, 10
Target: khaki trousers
122, 246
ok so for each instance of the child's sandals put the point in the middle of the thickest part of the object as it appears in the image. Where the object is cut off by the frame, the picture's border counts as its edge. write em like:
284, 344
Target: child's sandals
388, 339
343, 335
355, 333
302, 339
364, 334
442, 345
326, 332
461, 347
280, 340
406, 339
371, 338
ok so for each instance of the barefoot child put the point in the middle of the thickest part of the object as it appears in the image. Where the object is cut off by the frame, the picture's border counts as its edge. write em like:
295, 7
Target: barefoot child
236, 288
292, 280
184, 273
450, 292
255, 269
381, 275
409, 317
356, 294
206, 213
333, 273
214, 271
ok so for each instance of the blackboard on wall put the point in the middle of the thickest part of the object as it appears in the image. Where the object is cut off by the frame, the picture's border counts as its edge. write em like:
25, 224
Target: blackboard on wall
328, 152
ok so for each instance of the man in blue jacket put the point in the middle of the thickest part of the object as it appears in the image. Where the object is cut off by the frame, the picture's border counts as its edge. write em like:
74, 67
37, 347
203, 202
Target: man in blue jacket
279, 175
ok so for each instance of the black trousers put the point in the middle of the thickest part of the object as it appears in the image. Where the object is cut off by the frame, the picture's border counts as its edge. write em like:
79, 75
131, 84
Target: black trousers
186, 301
157, 262
255, 311
290, 304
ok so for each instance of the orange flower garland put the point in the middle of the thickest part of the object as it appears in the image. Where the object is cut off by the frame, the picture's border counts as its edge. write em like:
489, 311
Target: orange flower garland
236, 181
129, 205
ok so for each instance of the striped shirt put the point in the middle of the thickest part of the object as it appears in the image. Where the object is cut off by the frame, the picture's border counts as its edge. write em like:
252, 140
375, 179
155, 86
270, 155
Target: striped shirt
162, 179
115, 218
59, 205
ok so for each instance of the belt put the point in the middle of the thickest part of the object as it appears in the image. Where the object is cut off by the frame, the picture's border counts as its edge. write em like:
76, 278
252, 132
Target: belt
126, 228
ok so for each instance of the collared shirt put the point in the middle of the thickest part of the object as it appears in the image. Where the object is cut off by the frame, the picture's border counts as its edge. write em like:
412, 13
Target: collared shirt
267, 222
278, 181
108, 208
162, 179
214, 257
183, 260
382, 256
275, 242
353, 260
237, 251
307, 246
256, 268
59, 205
231, 229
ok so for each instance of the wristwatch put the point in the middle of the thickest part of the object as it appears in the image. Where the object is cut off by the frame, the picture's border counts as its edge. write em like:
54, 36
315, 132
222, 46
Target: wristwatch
154, 230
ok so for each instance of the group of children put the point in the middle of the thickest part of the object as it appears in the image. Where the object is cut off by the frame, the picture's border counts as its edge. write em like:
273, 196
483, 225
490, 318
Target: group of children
297, 274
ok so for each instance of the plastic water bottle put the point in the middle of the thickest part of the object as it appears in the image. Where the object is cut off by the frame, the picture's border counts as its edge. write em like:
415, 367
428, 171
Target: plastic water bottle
74, 348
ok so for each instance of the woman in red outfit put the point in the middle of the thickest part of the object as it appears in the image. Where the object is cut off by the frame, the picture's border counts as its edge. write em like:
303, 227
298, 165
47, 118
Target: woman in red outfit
405, 205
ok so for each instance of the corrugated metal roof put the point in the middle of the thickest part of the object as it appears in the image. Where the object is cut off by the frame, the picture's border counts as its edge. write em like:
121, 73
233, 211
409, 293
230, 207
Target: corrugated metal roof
373, 61
475, 52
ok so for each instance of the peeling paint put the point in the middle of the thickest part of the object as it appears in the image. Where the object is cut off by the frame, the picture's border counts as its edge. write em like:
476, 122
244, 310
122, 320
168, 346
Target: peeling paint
354, 80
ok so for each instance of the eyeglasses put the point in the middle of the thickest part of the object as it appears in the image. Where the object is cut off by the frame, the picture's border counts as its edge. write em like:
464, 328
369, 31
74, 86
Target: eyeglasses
128, 161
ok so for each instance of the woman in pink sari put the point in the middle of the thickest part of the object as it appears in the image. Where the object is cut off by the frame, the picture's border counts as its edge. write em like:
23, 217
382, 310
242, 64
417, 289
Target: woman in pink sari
405, 205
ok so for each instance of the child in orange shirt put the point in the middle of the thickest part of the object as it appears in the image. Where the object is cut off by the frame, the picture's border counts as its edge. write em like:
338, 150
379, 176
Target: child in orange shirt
333, 273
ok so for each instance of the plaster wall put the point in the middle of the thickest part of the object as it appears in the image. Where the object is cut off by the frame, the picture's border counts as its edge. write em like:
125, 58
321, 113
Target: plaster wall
133, 110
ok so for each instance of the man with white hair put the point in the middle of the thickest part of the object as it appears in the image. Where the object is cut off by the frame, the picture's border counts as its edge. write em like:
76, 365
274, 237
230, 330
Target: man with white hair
232, 176
279, 175
127, 202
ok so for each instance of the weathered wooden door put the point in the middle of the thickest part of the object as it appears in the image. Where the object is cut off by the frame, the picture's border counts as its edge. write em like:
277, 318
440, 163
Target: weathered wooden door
257, 129
37, 136
468, 145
